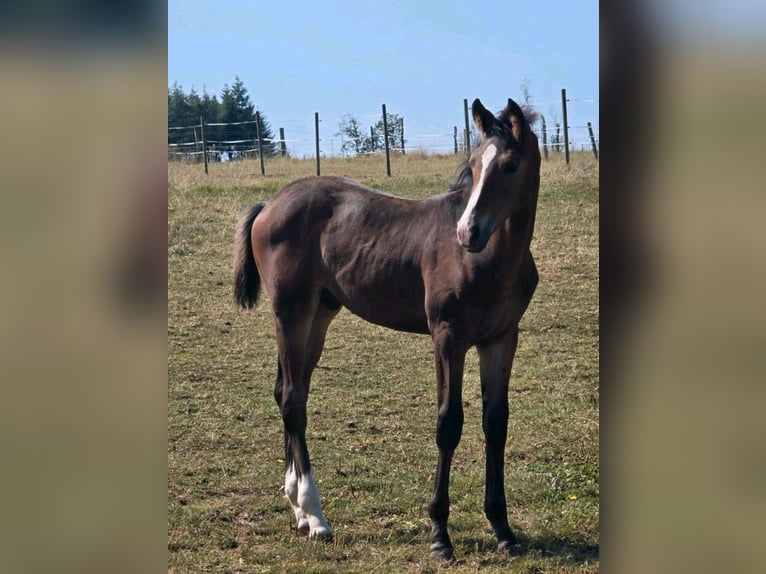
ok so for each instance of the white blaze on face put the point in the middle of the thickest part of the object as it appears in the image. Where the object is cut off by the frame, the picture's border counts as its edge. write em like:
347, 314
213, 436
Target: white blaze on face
464, 223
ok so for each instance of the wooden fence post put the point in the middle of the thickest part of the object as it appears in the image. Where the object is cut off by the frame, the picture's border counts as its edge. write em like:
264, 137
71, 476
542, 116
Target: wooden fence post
402, 126
316, 131
566, 127
282, 146
385, 141
204, 147
454, 135
260, 140
372, 139
545, 137
592, 140
467, 130
557, 145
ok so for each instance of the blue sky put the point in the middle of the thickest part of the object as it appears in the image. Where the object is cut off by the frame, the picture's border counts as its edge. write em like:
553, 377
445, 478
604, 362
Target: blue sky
420, 58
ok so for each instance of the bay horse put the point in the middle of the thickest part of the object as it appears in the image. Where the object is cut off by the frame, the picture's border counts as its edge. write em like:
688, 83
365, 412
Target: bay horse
456, 266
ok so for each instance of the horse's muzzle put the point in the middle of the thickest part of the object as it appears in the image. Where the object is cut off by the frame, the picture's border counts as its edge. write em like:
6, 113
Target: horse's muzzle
472, 238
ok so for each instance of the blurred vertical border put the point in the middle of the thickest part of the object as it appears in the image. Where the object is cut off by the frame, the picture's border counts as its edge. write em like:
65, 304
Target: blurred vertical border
83, 226
83, 222
683, 247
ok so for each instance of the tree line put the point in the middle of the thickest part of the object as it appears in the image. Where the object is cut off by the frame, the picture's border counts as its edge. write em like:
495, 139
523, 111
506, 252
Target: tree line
234, 106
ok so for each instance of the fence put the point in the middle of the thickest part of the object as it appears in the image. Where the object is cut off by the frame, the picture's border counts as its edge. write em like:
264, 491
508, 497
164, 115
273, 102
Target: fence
209, 142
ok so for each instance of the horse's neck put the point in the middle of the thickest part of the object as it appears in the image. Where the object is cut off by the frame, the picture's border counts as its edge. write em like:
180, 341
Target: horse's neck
508, 244
500, 243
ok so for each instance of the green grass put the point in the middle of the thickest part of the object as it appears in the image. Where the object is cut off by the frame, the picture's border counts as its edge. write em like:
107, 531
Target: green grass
372, 406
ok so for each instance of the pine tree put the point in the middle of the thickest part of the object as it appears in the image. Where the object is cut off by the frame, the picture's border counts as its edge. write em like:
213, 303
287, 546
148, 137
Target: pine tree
179, 114
236, 107
209, 106
195, 105
267, 135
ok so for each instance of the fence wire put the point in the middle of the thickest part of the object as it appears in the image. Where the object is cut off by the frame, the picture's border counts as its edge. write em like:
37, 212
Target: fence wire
300, 138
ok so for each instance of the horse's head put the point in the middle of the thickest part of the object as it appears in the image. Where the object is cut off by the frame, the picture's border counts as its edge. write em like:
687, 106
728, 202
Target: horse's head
505, 169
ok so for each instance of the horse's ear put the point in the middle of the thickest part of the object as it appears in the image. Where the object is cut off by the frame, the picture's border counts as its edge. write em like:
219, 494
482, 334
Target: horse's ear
513, 115
482, 117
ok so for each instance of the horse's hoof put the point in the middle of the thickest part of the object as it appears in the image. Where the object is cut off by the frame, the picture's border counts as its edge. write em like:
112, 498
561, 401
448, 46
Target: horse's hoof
304, 529
442, 553
510, 549
322, 535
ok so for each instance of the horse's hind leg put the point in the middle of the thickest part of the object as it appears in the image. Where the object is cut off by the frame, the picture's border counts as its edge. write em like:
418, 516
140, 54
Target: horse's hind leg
300, 340
291, 479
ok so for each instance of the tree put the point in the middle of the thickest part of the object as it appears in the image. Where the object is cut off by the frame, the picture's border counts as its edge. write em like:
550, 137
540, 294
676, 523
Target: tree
180, 113
185, 110
526, 91
235, 103
209, 106
395, 131
195, 106
267, 135
350, 133
358, 141
235, 108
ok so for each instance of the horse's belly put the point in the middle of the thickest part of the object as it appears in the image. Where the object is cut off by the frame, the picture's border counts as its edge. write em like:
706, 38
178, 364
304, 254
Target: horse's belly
375, 274
390, 304
407, 323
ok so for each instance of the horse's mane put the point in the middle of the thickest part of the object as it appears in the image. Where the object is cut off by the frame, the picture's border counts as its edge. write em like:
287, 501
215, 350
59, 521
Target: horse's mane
501, 129
464, 178
530, 114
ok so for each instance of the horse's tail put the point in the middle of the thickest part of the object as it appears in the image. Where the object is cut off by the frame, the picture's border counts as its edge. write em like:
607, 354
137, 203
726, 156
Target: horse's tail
247, 281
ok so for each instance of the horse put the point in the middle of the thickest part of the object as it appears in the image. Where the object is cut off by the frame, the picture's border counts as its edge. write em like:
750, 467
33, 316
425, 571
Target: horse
456, 266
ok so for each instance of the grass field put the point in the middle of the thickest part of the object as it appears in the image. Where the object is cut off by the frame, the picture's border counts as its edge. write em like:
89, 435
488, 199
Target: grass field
372, 409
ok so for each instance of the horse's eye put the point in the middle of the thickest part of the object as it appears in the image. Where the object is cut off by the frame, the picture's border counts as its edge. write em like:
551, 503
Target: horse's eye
511, 166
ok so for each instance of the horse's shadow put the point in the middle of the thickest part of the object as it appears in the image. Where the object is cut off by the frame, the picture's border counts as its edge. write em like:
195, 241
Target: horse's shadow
570, 550
574, 551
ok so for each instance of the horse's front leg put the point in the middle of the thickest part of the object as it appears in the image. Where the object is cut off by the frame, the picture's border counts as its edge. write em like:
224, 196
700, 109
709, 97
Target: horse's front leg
450, 359
495, 361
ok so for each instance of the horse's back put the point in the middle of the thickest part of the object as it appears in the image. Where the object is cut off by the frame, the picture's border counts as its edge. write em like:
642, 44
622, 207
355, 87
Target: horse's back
320, 198
362, 246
